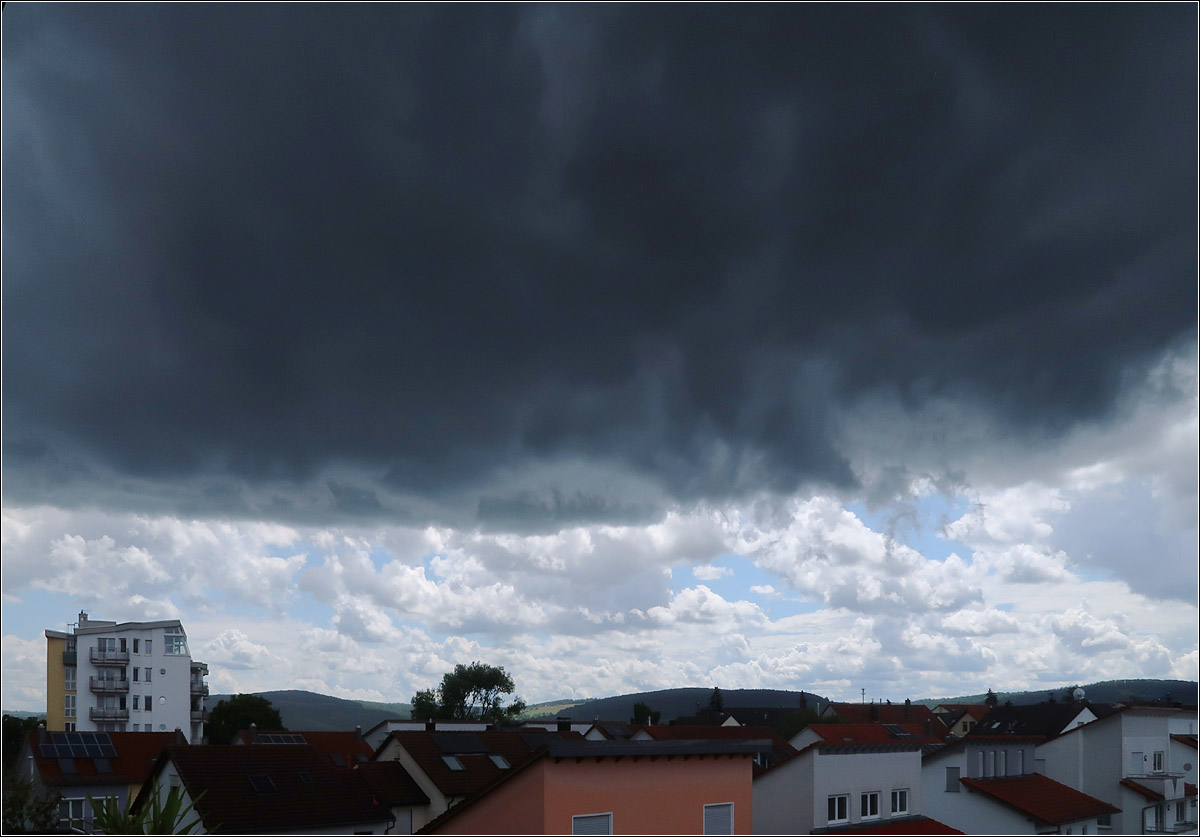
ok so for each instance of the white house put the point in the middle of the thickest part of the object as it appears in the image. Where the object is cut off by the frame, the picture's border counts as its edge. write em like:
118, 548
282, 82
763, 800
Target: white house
990, 785
1129, 759
846, 776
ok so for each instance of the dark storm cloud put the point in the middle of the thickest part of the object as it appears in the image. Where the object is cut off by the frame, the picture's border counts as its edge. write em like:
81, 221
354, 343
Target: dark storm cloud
436, 242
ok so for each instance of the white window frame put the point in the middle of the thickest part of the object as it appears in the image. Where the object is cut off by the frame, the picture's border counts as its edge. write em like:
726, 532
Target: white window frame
1159, 762
71, 805
728, 805
70, 706
70, 678
832, 801
897, 795
576, 817
866, 801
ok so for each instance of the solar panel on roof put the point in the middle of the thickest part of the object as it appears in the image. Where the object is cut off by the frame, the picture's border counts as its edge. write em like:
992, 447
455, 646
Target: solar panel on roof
74, 737
458, 743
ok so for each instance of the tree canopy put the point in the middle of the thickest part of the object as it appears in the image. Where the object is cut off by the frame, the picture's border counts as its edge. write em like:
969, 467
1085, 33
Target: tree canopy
239, 712
643, 714
473, 692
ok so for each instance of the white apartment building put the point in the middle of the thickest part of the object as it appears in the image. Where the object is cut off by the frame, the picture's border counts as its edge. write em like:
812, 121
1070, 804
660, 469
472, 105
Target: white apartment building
106, 676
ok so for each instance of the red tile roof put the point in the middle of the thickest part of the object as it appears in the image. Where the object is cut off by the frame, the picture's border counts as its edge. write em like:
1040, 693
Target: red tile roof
305, 790
907, 825
392, 784
874, 733
479, 769
1041, 797
136, 754
893, 713
346, 747
1186, 740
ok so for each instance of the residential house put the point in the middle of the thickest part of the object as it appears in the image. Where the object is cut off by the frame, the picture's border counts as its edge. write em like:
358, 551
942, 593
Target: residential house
104, 676
377, 734
267, 789
1129, 758
847, 777
888, 713
779, 750
395, 788
577, 786
960, 718
1039, 719
342, 748
99, 765
448, 767
989, 784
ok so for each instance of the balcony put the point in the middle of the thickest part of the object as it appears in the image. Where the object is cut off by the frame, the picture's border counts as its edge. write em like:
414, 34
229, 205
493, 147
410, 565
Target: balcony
199, 688
109, 658
109, 685
199, 715
97, 713
70, 658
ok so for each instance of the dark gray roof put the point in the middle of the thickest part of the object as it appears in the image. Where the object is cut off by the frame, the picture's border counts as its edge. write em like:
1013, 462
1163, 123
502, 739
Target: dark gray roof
559, 748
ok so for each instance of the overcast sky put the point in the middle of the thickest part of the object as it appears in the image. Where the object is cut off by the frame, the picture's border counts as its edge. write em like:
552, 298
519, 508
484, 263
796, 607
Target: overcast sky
628, 347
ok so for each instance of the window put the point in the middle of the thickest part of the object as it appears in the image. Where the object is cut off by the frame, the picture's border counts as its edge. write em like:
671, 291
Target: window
592, 824
147, 672
718, 819
135, 646
174, 641
263, 783
70, 811
136, 673
994, 764
148, 704
952, 780
147, 647
69, 706
1003, 763
499, 761
899, 802
69, 678
135, 701
1020, 762
1180, 811
124, 644
453, 763
106, 643
982, 756
869, 805
1158, 762
1104, 820
69, 727
839, 808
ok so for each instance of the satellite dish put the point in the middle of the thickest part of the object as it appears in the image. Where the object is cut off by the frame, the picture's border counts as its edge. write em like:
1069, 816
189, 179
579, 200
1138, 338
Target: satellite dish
1077, 694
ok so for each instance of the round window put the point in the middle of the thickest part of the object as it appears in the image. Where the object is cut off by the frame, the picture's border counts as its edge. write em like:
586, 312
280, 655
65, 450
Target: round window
163, 672
162, 727
162, 701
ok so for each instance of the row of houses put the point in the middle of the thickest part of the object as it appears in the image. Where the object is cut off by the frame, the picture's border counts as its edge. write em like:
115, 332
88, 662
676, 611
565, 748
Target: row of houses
1048, 769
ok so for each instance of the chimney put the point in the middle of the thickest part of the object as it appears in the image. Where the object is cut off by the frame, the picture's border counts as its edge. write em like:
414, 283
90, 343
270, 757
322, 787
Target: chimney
430, 726
82, 618
253, 733
42, 733
874, 711
358, 732
907, 708
563, 723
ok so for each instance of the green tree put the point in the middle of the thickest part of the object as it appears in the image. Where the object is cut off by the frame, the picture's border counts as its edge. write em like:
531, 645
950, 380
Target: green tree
239, 712
716, 701
28, 810
643, 714
15, 730
475, 692
991, 699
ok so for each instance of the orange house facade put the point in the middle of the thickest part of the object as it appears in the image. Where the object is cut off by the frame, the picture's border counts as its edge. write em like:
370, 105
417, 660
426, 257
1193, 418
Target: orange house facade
686, 788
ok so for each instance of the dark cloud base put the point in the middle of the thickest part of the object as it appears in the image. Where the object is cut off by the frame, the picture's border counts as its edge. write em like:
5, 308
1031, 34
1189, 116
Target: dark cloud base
434, 243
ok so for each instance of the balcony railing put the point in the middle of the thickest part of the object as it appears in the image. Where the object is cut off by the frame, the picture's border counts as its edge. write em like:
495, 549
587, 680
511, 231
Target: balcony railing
70, 658
199, 715
97, 713
109, 658
199, 688
109, 684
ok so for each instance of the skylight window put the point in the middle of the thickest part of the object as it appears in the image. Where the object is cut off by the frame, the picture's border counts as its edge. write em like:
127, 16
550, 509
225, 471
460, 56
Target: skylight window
453, 763
500, 761
263, 784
